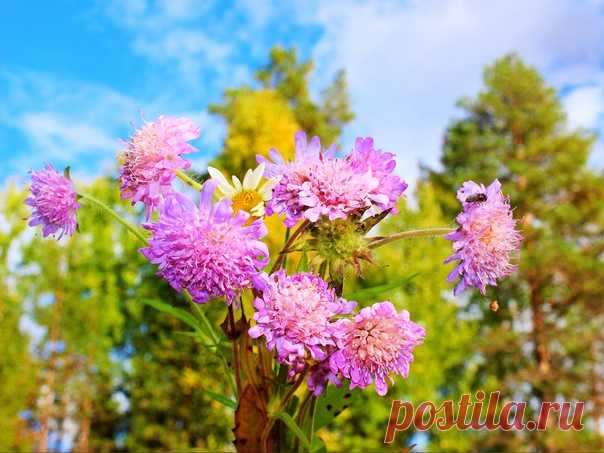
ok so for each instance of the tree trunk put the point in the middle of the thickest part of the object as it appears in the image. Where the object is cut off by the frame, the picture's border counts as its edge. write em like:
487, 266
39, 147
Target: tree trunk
50, 376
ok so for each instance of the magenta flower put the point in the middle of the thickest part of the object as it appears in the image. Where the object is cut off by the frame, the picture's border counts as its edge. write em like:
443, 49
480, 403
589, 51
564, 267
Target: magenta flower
365, 158
54, 202
486, 238
377, 343
151, 157
318, 184
209, 251
294, 314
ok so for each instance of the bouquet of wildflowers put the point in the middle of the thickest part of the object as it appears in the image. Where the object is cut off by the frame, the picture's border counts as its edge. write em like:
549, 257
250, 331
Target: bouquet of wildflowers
295, 339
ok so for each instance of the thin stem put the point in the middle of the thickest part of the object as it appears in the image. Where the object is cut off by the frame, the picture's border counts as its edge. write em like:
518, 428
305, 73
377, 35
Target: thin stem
235, 351
132, 228
282, 405
214, 337
188, 180
313, 407
279, 262
378, 241
287, 234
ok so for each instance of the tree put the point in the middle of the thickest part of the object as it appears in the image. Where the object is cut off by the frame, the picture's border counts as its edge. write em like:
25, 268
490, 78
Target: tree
268, 117
17, 367
543, 344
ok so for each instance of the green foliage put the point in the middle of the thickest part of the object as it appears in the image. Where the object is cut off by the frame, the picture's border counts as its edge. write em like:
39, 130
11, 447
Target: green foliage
265, 118
17, 367
515, 130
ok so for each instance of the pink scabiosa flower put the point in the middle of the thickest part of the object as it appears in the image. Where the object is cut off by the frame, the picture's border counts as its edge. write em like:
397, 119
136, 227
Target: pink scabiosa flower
209, 251
294, 314
151, 157
318, 184
377, 343
54, 202
486, 238
365, 158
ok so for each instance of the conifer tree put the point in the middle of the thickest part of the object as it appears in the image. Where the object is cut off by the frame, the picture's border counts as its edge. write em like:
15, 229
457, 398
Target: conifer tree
543, 344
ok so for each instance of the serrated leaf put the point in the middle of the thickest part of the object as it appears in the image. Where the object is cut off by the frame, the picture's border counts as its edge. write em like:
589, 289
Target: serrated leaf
332, 403
372, 293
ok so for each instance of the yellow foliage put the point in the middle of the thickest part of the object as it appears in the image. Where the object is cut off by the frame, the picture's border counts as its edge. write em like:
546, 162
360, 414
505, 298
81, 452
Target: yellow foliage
257, 121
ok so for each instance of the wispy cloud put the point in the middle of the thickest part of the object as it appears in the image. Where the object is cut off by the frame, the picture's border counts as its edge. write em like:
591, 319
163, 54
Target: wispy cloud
408, 62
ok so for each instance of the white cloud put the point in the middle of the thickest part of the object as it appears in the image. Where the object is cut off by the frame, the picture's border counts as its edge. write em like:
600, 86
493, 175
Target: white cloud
408, 62
56, 134
584, 106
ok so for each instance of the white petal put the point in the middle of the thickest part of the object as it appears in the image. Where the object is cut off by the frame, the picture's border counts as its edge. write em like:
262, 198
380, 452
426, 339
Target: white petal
258, 210
266, 190
257, 175
236, 183
223, 184
247, 180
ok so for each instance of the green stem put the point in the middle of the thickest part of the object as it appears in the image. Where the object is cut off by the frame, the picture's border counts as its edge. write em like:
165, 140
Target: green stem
213, 337
378, 241
188, 180
294, 428
282, 254
132, 228
275, 415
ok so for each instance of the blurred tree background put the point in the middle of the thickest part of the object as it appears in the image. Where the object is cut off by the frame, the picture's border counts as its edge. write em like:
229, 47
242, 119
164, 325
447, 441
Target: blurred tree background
86, 364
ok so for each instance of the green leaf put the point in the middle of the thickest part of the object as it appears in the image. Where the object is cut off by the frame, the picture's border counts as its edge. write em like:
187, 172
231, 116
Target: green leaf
295, 429
332, 403
223, 399
177, 313
372, 293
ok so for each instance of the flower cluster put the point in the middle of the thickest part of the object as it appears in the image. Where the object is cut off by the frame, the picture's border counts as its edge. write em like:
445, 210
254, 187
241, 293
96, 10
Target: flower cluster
214, 249
486, 238
294, 314
151, 157
208, 250
54, 202
318, 184
297, 316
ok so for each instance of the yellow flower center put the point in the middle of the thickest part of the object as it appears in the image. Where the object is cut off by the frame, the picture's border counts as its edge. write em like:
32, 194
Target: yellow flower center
246, 200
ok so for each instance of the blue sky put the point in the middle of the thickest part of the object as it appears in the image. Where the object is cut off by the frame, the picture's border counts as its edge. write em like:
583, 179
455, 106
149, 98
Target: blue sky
75, 76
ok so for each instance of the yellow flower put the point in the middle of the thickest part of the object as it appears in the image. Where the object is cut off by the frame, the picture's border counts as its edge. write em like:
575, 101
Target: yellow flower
248, 196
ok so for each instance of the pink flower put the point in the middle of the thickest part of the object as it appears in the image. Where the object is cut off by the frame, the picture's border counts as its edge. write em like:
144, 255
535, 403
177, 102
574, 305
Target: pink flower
210, 251
365, 158
151, 157
377, 343
54, 202
295, 313
486, 238
318, 184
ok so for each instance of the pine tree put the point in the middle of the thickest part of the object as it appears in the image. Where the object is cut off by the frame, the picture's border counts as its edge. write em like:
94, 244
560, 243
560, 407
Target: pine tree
544, 343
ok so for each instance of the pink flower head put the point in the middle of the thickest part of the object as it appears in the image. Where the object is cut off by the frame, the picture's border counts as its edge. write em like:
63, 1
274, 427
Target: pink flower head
377, 343
318, 184
209, 251
486, 238
294, 314
151, 157
365, 158
54, 202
